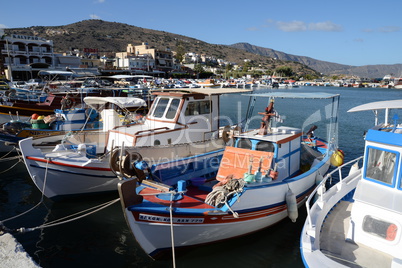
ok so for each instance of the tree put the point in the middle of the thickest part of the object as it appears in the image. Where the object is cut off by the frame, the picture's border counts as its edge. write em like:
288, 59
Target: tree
284, 71
180, 52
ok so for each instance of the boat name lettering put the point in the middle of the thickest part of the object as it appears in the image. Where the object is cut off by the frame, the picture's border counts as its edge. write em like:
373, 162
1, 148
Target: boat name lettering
167, 219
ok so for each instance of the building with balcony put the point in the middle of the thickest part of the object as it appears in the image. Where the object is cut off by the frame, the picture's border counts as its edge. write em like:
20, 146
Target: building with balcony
21, 54
22, 57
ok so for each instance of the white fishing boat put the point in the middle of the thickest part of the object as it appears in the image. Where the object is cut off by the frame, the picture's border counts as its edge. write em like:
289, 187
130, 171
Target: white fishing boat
179, 124
263, 178
358, 221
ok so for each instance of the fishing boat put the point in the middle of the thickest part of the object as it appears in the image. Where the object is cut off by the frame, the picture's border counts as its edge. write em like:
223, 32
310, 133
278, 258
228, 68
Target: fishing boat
263, 177
50, 130
22, 103
180, 124
357, 221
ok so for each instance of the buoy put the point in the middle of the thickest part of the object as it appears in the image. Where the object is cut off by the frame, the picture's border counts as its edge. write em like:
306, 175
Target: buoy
337, 158
34, 116
292, 205
318, 178
354, 168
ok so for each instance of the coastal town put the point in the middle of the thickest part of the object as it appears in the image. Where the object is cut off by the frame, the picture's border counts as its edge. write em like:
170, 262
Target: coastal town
199, 151
30, 61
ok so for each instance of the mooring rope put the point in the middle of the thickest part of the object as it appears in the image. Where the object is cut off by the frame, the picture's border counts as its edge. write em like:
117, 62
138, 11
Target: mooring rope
55, 222
63, 220
40, 202
8, 153
8, 169
171, 230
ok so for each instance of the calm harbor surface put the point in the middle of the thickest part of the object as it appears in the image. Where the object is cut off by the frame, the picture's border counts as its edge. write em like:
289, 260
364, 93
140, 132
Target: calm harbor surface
104, 240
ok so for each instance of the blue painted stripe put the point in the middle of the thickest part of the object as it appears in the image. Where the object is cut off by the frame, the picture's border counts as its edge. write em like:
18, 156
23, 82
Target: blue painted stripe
384, 137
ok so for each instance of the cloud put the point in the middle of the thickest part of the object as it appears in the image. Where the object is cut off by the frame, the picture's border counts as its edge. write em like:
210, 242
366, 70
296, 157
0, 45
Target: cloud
3, 26
326, 26
99, 1
384, 29
389, 29
293, 26
301, 26
252, 29
94, 17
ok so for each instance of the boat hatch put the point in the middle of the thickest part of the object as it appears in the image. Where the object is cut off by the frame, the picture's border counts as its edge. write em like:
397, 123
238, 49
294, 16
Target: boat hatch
236, 162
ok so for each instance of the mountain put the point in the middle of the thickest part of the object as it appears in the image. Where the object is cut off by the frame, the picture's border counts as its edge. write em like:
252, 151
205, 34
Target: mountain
328, 68
110, 37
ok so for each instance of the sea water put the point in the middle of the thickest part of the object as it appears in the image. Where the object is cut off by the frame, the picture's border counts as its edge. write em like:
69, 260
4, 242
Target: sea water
103, 239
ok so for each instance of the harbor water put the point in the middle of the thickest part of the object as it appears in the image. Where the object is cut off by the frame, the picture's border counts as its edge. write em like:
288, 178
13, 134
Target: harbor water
103, 239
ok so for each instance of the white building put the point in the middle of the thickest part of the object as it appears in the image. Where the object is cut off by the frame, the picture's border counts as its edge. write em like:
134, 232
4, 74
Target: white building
24, 56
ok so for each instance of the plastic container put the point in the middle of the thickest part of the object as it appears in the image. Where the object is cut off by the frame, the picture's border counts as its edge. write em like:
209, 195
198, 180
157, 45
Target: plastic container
39, 124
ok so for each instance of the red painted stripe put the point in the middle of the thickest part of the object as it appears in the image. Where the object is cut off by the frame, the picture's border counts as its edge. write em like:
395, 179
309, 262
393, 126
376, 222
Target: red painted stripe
65, 165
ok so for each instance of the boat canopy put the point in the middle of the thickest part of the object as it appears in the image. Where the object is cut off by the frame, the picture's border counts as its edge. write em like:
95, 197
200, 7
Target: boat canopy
54, 72
378, 105
126, 76
206, 91
291, 95
123, 102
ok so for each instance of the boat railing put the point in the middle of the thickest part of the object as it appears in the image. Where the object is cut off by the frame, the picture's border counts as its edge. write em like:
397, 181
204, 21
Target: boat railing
321, 186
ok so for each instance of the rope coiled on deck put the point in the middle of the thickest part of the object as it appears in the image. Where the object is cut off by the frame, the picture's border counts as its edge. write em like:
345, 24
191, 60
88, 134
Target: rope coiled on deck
221, 193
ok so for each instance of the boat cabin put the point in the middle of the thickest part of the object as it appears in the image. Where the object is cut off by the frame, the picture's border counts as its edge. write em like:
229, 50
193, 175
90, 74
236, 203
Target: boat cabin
175, 117
283, 144
377, 213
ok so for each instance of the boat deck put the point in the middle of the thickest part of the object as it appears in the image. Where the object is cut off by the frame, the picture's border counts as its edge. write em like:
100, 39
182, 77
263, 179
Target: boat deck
193, 198
334, 245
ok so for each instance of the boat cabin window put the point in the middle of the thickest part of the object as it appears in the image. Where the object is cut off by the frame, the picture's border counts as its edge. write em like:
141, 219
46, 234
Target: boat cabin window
265, 146
173, 108
381, 165
170, 106
244, 143
160, 107
198, 107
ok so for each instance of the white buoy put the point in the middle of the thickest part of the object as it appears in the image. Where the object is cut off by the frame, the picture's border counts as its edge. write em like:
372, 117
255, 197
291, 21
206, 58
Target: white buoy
354, 168
318, 178
292, 205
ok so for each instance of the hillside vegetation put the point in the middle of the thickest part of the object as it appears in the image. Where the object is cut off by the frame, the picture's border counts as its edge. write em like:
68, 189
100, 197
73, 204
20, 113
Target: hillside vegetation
110, 37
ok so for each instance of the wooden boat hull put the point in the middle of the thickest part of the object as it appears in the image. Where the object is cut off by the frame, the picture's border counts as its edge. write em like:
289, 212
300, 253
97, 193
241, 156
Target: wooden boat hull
66, 173
195, 222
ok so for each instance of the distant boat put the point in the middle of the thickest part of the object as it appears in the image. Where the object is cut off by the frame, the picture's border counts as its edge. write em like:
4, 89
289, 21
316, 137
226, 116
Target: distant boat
208, 83
358, 221
23, 103
263, 178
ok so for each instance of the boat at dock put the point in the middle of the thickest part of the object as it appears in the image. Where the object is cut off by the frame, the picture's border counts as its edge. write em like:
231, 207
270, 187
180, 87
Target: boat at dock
46, 131
21, 103
264, 176
357, 222
180, 124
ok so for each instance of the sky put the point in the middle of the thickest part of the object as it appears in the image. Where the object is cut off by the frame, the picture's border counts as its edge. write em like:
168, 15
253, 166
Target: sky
350, 32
